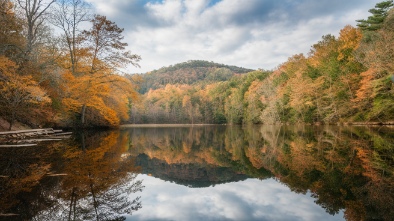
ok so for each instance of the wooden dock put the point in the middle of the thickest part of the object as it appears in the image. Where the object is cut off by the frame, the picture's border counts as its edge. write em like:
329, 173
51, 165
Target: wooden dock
24, 138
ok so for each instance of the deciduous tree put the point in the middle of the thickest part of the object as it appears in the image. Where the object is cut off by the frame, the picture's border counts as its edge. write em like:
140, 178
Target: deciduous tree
107, 51
34, 13
17, 93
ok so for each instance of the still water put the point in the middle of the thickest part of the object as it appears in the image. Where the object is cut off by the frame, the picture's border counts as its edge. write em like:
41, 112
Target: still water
203, 173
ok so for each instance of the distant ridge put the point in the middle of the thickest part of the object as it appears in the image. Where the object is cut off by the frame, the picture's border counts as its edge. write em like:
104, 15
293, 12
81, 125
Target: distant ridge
190, 72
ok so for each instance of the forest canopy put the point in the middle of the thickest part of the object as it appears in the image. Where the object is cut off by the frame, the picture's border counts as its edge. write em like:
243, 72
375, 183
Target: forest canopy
74, 78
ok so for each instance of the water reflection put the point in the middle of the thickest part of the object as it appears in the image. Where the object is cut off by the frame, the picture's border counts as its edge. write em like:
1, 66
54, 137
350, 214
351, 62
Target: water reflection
344, 168
89, 178
203, 172
247, 200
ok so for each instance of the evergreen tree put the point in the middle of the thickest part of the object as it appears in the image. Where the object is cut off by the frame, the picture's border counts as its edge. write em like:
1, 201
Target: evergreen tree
375, 21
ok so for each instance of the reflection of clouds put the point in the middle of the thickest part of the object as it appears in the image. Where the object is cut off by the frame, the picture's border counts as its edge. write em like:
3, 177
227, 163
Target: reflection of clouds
251, 199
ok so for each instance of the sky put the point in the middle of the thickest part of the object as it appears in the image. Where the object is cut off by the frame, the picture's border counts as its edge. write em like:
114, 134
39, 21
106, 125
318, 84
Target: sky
246, 33
251, 199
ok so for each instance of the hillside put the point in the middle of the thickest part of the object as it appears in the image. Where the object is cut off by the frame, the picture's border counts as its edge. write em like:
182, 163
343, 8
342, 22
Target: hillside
344, 79
189, 72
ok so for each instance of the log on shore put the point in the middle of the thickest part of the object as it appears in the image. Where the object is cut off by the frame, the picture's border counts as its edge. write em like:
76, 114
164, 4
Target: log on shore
50, 130
18, 145
37, 140
24, 138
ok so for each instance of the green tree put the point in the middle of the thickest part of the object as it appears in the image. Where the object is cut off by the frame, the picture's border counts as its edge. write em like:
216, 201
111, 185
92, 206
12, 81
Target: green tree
375, 21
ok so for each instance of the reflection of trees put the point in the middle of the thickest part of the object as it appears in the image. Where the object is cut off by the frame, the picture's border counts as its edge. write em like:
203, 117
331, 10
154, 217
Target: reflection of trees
20, 170
344, 168
92, 178
177, 145
205, 146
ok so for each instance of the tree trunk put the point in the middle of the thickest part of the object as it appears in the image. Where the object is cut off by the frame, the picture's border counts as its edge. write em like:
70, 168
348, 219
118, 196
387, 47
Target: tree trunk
95, 203
11, 120
10, 127
71, 204
83, 111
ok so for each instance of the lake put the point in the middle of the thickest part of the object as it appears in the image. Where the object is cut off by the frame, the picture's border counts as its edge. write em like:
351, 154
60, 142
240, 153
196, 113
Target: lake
203, 172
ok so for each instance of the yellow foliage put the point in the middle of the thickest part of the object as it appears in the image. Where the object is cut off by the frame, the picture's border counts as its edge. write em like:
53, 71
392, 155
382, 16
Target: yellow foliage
17, 90
104, 92
349, 40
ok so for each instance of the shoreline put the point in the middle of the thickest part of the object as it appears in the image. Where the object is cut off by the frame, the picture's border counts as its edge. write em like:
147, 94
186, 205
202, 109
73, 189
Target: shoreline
166, 125
372, 124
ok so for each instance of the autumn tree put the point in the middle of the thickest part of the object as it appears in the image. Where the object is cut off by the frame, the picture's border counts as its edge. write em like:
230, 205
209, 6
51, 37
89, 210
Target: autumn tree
187, 105
11, 38
95, 58
375, 93
106, 47
68, 16
17, 92
106, 54
217, 94
105, 95
271, 106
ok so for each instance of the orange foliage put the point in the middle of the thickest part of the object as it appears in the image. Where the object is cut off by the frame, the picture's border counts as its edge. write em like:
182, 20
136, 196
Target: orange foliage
365, 92
106, 93
17, 92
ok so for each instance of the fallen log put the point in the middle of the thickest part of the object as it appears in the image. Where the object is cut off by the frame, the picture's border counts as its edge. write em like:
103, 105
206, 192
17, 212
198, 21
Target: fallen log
19, 145
25, 131
25, 138
57, 137
38, 140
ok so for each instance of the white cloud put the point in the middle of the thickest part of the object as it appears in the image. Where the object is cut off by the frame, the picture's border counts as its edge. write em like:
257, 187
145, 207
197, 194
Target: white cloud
168, 11
251, 34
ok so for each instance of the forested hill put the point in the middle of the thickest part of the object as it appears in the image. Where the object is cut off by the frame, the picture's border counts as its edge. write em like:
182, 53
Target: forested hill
189, 72
344, 79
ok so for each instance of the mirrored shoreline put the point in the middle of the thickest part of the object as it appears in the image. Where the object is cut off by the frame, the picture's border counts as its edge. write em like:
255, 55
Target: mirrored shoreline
341, 173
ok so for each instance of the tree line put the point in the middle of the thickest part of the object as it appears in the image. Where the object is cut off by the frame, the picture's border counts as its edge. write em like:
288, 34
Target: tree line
190, 72
75, 77
67, 77
349, 78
